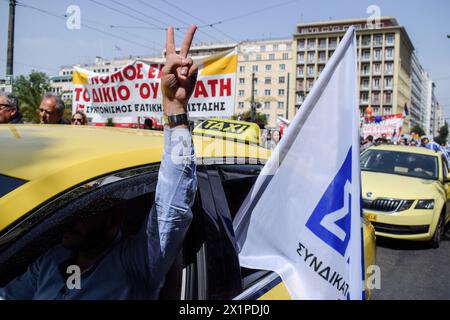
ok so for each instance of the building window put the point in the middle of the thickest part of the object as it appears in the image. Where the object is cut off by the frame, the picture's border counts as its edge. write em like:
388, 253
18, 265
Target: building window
364, 97
267, 92
255, 68
301, 57
285, 56
311, 56
377, 54
311, 43
241, 80
300, 71
388, 68
241, 105
241, 93
378, 39
272, 56
241, 68
281, 79
388, 83
375, 98
282, 67
365, 42
280, 104
281, 92
365, 84
300, 84
301, 44
387, 110
266, 104
322, 56
258, 57
246, 57
332, 43
377, 69
387, 98
275, 47
366, 55
376, 83
263, 48
390, 39
267, 80
255, 80
268, 67
322, 43
310, 70
288, 47
310, 84
255, 92
389, 53
320, 69
365, 69
330, 53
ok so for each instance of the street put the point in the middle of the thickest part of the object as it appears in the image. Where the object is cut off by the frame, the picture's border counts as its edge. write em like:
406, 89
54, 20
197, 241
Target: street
412, 270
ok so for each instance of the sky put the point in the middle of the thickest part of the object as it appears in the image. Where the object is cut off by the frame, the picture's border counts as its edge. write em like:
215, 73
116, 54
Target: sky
117, 28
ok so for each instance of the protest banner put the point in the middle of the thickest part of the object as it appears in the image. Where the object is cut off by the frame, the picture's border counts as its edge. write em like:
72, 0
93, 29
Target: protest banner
390, 126
134, 91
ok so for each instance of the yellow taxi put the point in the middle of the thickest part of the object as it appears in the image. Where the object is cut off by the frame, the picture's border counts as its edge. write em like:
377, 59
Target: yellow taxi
406, 192
49, 174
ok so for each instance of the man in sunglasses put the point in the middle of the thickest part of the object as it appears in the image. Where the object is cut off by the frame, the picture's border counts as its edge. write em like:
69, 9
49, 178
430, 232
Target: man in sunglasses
134, 267
9, 109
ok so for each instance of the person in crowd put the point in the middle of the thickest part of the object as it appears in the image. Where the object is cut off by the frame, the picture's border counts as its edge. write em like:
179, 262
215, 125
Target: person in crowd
113, 267
275, 139
9, 109
148, 124
79, 119
430, 145
51, 110
413, 143
368, 142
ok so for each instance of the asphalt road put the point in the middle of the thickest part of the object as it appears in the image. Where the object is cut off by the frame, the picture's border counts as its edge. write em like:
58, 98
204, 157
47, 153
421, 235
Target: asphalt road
413, 271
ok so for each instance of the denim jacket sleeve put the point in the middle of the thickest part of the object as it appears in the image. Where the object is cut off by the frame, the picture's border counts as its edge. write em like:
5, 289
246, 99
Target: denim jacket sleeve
149, 255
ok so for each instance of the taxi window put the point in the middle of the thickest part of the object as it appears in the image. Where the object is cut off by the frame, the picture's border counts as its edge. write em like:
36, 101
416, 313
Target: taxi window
237, 180
8, 184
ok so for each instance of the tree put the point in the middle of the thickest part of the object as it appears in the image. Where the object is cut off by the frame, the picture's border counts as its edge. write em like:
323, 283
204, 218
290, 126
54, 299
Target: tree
418, 129
442, 135
260, 118
110, 122
29, 91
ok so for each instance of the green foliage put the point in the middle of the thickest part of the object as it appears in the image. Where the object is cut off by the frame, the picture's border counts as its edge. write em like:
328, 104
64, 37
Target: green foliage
418, 129
110, 122
260, 118
443, 134
29, 91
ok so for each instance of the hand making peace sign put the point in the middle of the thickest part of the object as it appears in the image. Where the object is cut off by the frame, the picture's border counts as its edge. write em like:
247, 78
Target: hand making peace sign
179, 74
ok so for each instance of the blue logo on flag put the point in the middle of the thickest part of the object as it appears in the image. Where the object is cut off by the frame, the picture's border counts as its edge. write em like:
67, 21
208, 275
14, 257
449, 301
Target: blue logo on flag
331, 219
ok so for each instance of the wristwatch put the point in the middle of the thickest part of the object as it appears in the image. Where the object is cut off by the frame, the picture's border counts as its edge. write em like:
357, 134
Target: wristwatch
176, 120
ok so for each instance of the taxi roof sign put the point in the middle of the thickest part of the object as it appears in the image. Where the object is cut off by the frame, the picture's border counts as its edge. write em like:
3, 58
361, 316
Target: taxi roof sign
247, 132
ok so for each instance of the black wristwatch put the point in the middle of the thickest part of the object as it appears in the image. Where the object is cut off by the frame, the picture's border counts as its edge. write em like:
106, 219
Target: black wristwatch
176, 120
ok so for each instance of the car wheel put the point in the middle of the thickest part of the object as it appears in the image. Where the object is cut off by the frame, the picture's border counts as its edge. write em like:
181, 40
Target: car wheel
438, 233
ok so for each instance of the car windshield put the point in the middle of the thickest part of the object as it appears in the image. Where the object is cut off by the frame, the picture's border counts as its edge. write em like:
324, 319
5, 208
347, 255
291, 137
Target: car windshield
402, 163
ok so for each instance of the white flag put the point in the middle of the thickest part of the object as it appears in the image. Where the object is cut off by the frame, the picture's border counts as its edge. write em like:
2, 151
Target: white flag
303, 217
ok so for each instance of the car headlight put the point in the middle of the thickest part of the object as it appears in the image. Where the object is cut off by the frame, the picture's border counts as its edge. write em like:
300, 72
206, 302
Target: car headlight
425, 204
405, 205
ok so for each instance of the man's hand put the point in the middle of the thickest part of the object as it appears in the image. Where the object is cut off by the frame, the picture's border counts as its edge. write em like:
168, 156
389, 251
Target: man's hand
179, 74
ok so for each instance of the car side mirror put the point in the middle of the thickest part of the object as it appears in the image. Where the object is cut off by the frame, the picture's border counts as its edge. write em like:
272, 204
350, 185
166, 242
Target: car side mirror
447, 178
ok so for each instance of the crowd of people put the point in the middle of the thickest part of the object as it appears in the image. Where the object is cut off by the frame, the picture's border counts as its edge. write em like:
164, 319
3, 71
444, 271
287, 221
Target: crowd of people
413, 139
51, 111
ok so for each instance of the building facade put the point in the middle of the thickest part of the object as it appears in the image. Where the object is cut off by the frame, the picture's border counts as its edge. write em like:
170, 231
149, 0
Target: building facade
269, 64
384, 62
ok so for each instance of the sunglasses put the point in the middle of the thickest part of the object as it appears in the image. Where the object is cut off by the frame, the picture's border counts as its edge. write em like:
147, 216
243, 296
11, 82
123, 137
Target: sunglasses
77, 120
4, 106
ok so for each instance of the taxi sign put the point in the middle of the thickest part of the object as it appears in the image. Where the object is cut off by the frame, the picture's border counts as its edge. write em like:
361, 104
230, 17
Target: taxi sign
247, 132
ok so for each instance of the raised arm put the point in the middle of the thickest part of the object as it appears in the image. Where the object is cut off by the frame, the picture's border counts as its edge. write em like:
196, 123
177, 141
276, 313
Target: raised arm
152, 253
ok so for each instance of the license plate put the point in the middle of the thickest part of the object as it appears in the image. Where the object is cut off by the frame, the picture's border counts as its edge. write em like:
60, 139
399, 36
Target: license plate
371, 217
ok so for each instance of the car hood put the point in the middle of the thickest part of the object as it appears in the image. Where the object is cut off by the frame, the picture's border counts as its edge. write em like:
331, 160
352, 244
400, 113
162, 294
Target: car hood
384, 185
